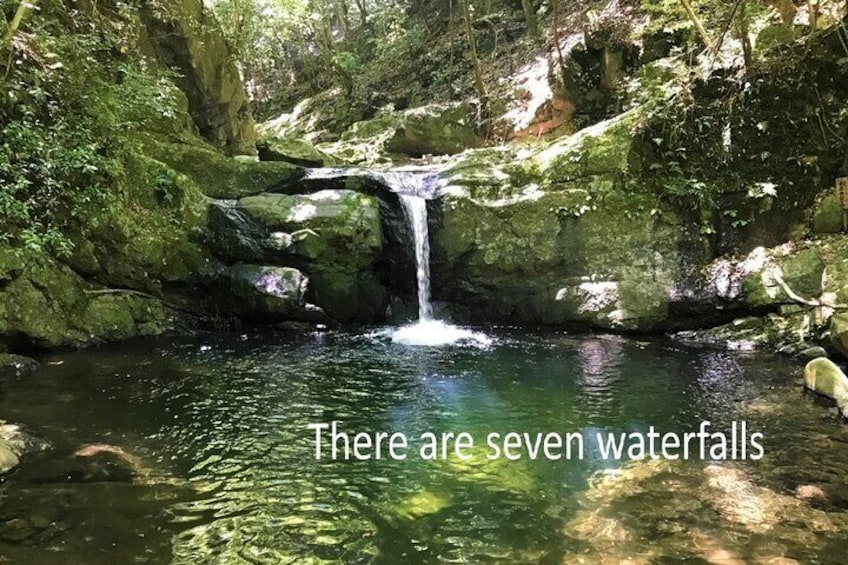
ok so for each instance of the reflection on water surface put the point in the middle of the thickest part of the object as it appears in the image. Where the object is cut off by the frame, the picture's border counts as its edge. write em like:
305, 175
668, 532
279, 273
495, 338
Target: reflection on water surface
225, 473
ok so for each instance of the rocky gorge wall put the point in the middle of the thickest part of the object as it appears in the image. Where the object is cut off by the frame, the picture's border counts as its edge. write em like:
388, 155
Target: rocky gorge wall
590, 230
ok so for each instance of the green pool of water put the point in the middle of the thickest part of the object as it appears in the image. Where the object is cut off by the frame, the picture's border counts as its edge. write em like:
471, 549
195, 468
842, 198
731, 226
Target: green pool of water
216, 431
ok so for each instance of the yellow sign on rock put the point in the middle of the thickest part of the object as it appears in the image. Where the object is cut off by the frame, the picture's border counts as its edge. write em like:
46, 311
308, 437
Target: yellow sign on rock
842, 191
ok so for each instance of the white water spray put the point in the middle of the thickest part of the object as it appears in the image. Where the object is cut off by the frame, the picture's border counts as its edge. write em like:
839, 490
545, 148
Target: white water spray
428, 331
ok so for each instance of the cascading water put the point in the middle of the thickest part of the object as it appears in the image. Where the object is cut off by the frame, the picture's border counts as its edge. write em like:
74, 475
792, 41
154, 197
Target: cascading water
413, 190
416, 211
414, 186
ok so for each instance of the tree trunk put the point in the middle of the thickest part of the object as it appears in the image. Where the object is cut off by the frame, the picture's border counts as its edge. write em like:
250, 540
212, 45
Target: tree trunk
450, 42
363, 13
472, 46
698, 25
344, 16
813, 8
744, 35
17, 19
556, 35
530, 17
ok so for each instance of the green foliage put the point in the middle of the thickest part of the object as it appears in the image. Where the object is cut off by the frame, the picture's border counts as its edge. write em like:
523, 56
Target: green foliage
70, 104
398, 52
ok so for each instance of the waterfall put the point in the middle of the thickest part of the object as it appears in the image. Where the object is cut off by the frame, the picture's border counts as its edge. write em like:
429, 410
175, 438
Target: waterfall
416, 211
414, 187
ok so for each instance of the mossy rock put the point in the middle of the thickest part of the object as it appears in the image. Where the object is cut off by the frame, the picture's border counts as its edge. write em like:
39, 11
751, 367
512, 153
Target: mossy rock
49, 306
839, 333
336, 237
346, 296
827, 216
341, 228
39, 306
265, 294
803, 271
16, 365
604, 148
148, 235
445, 129
293, 150
219, 176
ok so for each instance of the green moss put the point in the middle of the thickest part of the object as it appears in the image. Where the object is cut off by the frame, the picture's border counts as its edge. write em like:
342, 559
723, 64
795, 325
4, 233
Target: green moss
109, 318
337, 227
803, 271
602, 149
219, 176
827, 216
337, 236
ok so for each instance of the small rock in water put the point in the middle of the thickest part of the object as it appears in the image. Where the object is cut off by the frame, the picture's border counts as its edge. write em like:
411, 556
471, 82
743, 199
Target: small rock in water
16, 365
826, 378
809, 492
814, 352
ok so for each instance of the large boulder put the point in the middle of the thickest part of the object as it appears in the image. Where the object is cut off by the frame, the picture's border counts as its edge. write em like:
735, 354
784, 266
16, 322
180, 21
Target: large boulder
559, 237
44, 304
267, 294
336, 237
277, 144
436, 129
824, 377
218, 176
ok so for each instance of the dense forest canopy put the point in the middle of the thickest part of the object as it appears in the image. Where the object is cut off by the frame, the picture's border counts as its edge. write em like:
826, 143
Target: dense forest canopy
408, 53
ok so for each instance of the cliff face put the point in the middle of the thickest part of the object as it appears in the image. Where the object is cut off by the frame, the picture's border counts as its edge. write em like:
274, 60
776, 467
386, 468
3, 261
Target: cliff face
186, 38
138, 260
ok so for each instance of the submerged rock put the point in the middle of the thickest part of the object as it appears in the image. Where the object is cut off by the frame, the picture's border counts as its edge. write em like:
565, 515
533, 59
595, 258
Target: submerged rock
663, 511
16, 365
824, 377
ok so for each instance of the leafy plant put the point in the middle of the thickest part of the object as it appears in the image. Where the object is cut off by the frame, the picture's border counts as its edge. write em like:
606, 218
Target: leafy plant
70, 106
